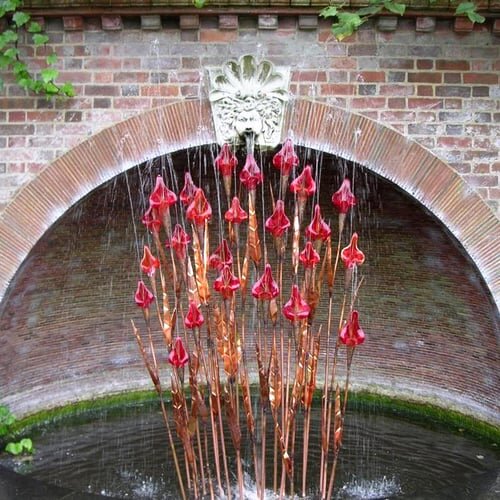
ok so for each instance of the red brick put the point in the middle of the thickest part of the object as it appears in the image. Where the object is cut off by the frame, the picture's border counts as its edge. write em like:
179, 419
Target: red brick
425, 64
103, 77
482, 168
425, 90
482, 180
102, 90
368, 76
189, 22
398, 116
112, 23
452, 65
309, 76
396, 63
228, 22
135, 103
17, 116
368, 102
396, 90
396, 103
216, 36
423, 77
463, 25
416, 102
485, 78
72, 23
131, 77
103, 63
454, 142
336, 89
160, 90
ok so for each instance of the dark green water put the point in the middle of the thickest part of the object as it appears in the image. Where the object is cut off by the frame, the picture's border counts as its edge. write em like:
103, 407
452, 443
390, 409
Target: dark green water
123, 454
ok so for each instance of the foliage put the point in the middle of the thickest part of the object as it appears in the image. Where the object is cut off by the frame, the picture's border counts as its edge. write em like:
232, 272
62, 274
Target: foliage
7, 420
346, 23
17, 23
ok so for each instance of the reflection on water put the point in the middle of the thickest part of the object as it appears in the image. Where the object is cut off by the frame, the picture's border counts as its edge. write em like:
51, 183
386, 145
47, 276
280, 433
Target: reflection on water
123, 453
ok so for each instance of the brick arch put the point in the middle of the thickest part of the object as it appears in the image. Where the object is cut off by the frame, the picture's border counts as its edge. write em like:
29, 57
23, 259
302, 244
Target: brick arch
188, 123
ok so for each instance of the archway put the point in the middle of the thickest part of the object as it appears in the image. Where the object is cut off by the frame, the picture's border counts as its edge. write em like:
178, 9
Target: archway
181, 126
319, 126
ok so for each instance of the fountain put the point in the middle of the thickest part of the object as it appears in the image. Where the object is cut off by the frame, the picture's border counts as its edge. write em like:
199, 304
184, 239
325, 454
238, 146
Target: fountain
247, 304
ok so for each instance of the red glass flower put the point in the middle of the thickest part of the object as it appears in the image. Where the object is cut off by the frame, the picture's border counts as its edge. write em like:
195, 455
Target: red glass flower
178, 356
285, 159
188, 191
143, 297
278, 223
179, 241
221, 257
235, 213
343, 199
303, 185
193, 318
265, 288
309, 257
149, 263
251, 176
199, 209
227, 283
351, 255
150, 220
161, 198
351, 334
296, 308
226, 161
318, 228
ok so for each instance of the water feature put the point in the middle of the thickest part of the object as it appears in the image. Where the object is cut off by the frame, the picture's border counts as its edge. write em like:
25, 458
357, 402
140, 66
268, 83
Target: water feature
192, 281
120, 453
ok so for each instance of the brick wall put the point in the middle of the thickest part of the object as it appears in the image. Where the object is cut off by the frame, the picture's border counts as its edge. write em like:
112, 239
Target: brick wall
435, 85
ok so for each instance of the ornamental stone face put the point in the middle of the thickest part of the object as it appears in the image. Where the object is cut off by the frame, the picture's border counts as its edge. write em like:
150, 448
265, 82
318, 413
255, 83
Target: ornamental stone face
248, 97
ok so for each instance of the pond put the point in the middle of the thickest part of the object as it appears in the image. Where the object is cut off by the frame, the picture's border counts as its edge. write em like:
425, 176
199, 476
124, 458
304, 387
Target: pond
123, 453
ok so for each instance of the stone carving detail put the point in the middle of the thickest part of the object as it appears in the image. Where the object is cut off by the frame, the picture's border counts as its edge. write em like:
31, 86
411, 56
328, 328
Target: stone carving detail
249, 96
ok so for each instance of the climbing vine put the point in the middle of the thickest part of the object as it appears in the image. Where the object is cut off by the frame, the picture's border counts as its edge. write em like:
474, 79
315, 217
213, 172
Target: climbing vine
345, 23
18, 23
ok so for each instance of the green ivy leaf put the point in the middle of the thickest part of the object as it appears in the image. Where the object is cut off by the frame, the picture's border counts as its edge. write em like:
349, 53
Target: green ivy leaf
4, 64
464, 8
11, 53
27, 445
49, 74
39, 39
475, 17
370, 10
199, 3
341, 31
34, 27
19, 67
350, 19
68, 90
14, 448
20, 18
9, 36
51, 89
329, 12
10, 5
51, 58
394, 7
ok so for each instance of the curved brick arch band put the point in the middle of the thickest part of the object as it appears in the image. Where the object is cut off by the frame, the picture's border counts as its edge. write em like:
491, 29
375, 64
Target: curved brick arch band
188, 123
